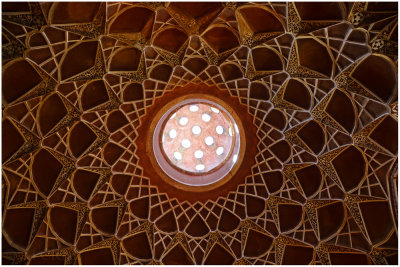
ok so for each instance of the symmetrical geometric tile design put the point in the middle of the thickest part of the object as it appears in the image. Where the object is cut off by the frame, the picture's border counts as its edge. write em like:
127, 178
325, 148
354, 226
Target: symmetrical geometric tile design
319, 81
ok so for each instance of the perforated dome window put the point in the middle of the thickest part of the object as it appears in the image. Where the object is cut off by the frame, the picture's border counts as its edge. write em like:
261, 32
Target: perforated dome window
196, 142
194, 136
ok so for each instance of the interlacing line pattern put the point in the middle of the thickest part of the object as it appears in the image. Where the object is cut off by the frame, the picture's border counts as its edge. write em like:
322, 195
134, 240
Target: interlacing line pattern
319, 81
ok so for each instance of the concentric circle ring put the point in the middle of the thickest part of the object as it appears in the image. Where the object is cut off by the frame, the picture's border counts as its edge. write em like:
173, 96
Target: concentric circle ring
191, 180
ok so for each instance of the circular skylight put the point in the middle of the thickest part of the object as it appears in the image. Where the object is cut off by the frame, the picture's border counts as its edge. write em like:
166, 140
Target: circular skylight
197, 142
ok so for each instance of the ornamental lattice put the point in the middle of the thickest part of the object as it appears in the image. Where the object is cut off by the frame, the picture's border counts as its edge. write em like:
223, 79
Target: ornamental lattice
315, 87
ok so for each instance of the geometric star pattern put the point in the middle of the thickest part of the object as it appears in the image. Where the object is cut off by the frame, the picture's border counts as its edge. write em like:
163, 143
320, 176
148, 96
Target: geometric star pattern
315, 85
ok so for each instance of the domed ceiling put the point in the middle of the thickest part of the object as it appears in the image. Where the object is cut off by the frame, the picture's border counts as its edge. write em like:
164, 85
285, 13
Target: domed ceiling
312, 86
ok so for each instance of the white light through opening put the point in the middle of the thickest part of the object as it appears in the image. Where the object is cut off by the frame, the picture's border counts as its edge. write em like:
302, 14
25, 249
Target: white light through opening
209, 140
172, 133
219, 151
214, 110
219, 129
200, 167
198, 154
205, 117
177, 155
230, 131
193, 108
196, 130
185, 143
234, 159
183, 121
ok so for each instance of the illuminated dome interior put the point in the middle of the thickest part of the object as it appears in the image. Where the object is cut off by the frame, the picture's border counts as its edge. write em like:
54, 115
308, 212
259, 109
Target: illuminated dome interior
198, 138
113, 151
